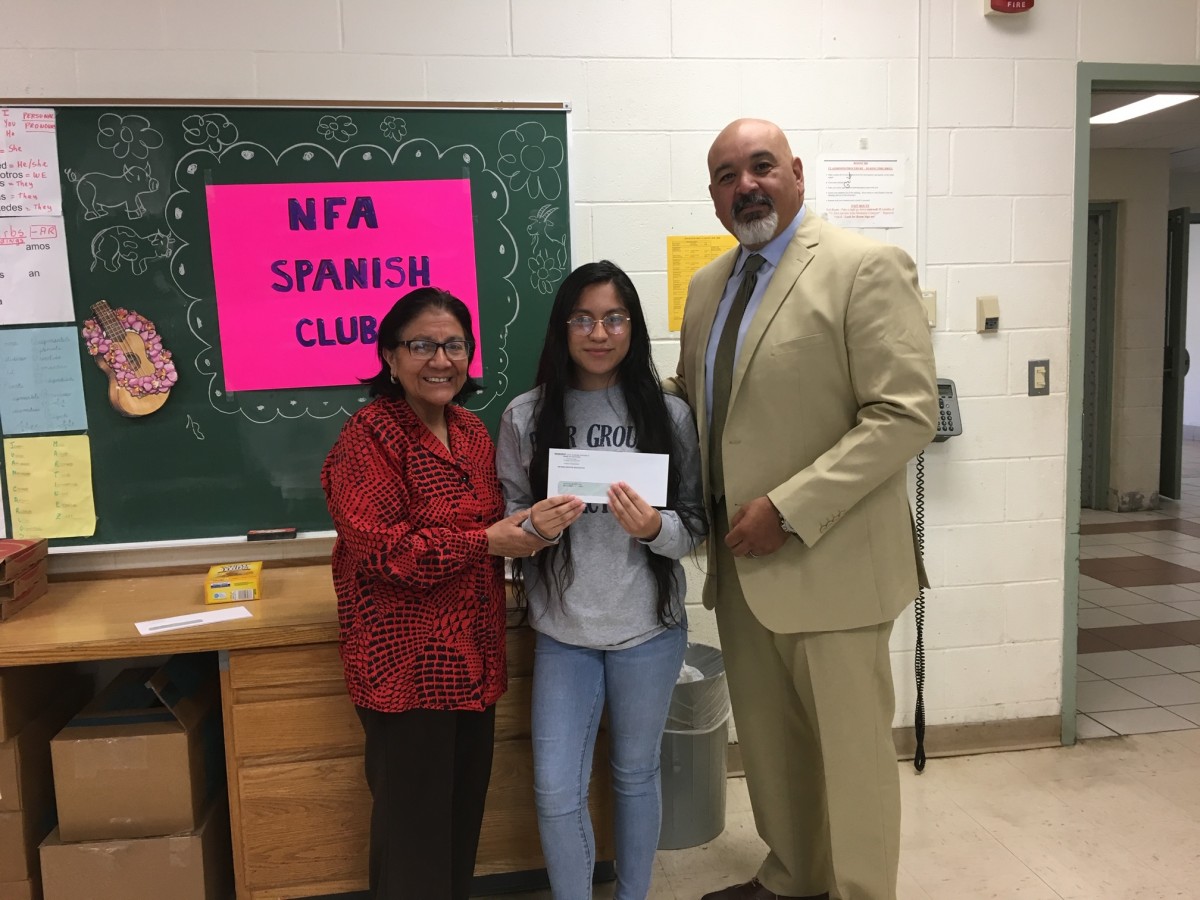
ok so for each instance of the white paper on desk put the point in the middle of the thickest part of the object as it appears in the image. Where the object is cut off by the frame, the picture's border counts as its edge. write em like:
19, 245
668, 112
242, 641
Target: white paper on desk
588, 474
154, 626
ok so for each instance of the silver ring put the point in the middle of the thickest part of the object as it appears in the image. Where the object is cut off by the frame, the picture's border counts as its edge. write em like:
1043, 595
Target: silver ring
751, 554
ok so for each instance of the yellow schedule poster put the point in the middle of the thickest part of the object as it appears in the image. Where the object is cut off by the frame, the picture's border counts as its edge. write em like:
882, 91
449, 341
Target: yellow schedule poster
50, 486
685, 254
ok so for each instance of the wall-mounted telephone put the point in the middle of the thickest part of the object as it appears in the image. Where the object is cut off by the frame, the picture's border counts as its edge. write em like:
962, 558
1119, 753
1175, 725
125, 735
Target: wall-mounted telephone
949, 424
949, 419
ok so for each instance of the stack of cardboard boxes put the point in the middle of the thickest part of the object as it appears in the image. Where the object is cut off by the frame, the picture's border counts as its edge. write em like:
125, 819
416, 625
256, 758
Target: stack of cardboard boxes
22, 574
140, 794
35, 702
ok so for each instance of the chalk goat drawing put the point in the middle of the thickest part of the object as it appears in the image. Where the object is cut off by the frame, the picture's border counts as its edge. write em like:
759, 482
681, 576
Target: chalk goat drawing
127, 135
99, 192
547, 253
120, 243
213, 131
530, 159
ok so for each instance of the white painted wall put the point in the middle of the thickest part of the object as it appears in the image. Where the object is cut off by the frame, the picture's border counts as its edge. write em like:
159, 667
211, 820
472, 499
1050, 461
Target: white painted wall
1139, 182
982, 109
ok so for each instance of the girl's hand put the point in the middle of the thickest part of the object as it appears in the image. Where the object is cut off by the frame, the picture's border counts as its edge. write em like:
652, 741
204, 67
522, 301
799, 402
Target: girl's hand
554, 514
634, 514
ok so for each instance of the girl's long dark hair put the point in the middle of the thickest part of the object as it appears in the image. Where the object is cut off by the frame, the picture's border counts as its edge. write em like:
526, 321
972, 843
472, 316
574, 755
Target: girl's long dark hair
639, 383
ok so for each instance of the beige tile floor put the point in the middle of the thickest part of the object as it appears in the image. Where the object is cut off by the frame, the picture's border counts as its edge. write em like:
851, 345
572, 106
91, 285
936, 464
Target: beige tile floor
1111, 819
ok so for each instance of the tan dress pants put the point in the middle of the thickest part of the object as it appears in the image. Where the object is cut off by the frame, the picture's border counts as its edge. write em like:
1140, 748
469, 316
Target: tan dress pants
814, 723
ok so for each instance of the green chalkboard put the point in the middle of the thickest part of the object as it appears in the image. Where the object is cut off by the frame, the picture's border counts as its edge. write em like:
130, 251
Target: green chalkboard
212, 462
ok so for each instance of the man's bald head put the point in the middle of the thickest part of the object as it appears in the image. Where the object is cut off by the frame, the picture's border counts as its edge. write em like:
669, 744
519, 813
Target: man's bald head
756, 184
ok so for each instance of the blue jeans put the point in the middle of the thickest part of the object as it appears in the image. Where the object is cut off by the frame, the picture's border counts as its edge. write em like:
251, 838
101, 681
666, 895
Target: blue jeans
570, 687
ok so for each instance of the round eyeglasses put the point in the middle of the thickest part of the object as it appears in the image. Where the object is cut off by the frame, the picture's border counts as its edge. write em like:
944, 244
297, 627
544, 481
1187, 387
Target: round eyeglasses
614, 323
421, 349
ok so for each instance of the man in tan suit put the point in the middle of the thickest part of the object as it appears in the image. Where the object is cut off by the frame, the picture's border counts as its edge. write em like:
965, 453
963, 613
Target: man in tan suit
807, 360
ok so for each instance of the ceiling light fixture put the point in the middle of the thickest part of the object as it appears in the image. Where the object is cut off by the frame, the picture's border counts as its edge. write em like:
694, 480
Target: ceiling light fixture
1140, 108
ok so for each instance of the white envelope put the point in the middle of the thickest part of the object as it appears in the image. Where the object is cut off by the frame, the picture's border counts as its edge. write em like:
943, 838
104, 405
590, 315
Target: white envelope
588, 474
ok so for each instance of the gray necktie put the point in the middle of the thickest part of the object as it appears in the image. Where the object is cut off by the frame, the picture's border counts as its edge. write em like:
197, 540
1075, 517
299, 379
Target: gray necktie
722, 376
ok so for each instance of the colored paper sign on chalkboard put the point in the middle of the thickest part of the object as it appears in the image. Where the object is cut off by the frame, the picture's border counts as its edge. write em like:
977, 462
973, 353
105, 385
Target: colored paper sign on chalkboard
35, 284
29, 184
43, 384
50, 486
305, 272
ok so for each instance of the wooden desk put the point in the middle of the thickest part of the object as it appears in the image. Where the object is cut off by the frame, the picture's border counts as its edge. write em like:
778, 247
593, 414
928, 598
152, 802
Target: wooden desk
299, 804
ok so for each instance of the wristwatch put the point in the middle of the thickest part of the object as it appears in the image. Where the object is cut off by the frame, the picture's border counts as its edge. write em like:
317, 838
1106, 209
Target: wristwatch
787, 526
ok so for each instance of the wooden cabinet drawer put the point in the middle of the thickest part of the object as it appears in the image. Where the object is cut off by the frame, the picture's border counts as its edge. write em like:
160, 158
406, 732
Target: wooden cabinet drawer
308, 671
307, 727
305, 822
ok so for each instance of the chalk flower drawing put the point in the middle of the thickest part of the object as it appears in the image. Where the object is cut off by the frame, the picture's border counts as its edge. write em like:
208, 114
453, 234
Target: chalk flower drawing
336, 128
211, 131
393, 127
529, 159
127, 135
546, 272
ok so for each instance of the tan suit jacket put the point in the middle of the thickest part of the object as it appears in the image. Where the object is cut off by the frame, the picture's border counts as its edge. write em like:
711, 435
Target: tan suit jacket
833, 393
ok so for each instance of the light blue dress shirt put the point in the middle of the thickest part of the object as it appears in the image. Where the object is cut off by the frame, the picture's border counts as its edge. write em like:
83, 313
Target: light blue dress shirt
772, 252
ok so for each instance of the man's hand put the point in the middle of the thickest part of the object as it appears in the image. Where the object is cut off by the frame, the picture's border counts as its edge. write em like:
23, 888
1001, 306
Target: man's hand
754, 529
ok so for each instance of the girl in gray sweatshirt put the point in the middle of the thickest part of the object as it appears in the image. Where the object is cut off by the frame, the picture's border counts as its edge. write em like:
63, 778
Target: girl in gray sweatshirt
606, 594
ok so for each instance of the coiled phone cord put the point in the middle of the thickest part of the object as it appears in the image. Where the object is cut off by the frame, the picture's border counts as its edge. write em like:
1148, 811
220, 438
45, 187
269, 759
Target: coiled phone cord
919, 610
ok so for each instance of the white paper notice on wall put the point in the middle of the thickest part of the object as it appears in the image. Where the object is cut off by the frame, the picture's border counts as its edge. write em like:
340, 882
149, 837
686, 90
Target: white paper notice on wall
864, 191
29, 184
35, 286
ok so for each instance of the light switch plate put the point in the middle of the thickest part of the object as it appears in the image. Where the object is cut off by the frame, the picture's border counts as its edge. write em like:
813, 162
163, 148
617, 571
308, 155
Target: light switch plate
929, 304
1039, 377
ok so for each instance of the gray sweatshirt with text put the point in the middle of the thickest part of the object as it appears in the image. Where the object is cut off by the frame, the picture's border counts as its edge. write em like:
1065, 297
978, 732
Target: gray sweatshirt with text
610, 604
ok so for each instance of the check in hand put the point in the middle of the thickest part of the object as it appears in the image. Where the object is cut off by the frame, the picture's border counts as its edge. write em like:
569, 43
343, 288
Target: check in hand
552, 516
754, 530
633, 513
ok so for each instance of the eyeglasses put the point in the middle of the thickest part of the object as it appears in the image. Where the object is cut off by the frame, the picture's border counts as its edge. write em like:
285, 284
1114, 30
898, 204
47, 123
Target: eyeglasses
614, 323
421, 349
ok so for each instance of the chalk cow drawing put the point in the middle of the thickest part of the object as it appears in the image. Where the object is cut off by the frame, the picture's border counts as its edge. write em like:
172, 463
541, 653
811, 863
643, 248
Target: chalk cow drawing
99, 192
120, 243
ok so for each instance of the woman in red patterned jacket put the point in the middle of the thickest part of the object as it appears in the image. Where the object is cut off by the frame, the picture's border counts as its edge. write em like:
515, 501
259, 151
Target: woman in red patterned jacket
418, 571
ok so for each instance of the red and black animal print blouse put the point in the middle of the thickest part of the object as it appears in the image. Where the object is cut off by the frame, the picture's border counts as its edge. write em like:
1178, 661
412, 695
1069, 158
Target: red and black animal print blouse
420, 600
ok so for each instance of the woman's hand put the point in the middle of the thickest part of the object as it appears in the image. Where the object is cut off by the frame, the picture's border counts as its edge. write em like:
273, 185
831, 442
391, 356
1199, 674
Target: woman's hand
552, 516
508, 538
633, 513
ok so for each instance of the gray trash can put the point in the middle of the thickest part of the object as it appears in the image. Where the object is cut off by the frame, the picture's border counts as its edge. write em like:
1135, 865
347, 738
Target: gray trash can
693, 754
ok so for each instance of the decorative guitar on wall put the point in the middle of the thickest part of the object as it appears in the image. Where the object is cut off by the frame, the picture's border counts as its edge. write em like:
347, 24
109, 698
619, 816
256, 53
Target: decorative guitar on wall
129, 350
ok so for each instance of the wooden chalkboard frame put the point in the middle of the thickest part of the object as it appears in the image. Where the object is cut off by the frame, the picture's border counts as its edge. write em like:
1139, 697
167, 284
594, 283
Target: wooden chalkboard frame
318, 536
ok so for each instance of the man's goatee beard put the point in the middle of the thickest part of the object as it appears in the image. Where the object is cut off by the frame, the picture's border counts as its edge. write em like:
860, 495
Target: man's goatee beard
757, 232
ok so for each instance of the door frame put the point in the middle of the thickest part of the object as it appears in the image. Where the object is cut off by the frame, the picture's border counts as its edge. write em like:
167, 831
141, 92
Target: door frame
1091, 77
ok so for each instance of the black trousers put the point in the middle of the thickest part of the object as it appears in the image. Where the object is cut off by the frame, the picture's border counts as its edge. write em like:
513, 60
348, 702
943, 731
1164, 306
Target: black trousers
428, 771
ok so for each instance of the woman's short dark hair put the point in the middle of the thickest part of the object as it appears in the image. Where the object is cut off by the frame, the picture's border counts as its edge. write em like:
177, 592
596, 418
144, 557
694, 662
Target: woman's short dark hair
397, 319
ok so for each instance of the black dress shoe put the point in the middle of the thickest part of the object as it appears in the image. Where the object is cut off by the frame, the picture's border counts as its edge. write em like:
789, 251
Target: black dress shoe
754, 890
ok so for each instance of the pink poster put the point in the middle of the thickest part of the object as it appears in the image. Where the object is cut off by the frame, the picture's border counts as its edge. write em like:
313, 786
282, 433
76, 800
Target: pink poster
305, 272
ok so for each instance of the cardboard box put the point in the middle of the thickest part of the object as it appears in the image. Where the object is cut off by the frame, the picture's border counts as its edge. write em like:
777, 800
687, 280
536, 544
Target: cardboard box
142, 758
193, 866
233, 582
28, 586
20, 890
27, 811
19, 554
26, 692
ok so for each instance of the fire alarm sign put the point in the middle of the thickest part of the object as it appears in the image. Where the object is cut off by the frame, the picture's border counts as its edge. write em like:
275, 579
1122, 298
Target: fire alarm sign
1001, 7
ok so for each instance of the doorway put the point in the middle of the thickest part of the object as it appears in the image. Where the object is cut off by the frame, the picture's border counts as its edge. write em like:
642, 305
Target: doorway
1145, 540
